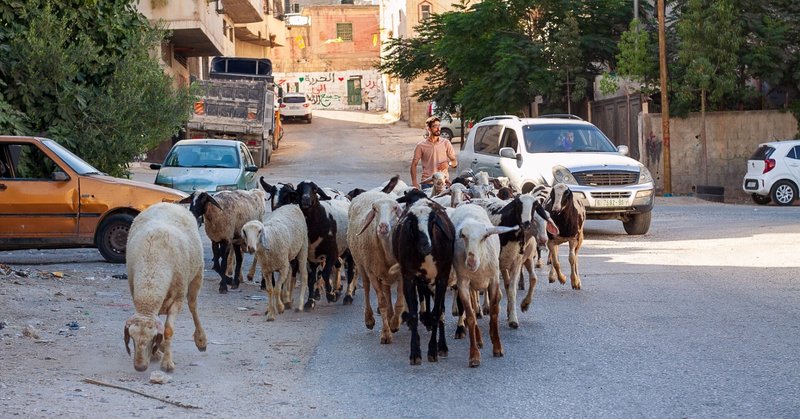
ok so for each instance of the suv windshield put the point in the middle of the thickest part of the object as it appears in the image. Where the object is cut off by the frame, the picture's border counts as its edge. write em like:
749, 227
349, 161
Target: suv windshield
294, 99
203, 156
559, 138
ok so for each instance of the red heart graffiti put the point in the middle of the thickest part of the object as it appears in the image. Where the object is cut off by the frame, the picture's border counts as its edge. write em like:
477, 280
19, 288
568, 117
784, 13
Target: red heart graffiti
341, 78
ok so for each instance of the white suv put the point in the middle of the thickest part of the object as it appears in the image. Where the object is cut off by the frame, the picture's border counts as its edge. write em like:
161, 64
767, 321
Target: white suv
534, 151
773, 172
295, 106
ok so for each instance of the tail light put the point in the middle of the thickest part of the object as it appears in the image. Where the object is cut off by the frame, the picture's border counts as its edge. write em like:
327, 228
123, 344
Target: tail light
283, 105
305, 105
199, 107
252, 143
769, 164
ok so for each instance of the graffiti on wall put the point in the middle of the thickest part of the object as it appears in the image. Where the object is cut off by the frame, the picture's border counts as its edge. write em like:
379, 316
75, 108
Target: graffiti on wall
653, 150
329, 90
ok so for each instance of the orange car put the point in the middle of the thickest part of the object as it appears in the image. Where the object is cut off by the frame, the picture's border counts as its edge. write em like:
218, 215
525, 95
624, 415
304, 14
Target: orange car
51, 198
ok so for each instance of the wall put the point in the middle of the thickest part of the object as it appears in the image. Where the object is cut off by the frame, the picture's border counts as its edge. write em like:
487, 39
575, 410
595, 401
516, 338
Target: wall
328, 90
731, 139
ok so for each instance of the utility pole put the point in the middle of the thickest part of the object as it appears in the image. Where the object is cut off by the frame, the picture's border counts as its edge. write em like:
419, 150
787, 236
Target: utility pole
662, 64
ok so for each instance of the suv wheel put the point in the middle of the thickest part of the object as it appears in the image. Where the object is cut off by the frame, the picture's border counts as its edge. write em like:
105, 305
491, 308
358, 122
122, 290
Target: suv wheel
638, 224
761, 199
783, 192
112, 237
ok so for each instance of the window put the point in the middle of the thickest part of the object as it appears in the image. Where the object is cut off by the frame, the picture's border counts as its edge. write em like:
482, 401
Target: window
424, 12
344, 31
509, 139
487, 139
794, 153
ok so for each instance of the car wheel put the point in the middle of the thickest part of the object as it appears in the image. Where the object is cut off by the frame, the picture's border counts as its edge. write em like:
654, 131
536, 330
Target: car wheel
638, 224
447, 134
112, 237
761, 199
308, 119
783, 192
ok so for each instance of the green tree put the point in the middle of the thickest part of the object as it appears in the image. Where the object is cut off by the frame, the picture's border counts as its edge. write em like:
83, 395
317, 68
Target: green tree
637, 60
81, 72
567, 64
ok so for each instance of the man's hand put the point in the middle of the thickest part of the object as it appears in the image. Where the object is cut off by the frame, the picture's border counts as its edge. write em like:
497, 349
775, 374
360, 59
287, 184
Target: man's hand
441, 167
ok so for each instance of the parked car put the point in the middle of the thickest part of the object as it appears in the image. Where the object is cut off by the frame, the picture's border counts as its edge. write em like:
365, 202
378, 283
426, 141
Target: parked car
773, 172
209, 165
51, 198
534, 151
450, 124
295, 106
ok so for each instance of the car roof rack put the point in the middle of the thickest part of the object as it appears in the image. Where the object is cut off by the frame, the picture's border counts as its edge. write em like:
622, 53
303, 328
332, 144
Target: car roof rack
561, 115
497, 117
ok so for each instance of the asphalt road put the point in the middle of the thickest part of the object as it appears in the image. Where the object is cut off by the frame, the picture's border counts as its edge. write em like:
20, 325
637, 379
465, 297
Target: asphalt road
697, 318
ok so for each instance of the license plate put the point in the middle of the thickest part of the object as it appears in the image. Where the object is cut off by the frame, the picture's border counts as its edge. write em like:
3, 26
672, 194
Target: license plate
751, 184
610, 202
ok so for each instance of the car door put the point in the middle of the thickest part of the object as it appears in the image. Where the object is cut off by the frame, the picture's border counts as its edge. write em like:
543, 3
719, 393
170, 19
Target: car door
510, 168
793, 162
249, 177
486, 155
38, 198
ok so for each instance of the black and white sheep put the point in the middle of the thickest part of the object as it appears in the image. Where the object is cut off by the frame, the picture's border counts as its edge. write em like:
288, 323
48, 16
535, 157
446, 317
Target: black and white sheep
165, 266
569, 214
281, 238
422, 244
476, 262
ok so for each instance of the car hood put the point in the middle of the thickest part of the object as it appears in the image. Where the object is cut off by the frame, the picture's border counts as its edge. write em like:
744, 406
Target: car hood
580, 162
190, 179
105, 179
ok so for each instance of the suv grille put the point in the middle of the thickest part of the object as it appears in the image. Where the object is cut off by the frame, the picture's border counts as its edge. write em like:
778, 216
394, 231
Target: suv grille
613, 178
612, 195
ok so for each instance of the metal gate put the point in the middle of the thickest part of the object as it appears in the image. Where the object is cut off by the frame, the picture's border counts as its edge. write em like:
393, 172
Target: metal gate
618, 119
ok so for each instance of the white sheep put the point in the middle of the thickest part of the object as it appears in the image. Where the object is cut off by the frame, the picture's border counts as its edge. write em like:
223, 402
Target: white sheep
476, 262
165, 265
372, 217
277, 241
225, 214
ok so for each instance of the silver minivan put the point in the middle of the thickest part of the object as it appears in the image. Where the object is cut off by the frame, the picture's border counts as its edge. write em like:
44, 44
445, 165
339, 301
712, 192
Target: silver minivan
564, 149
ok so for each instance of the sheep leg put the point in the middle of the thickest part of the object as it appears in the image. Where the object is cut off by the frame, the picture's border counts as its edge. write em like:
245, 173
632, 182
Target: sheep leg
440, 345
574, 246
385, 305
465, 302
399, 305
330, 293
461, 331
277, 290
412, 319
510, 279
237, 274
166, 344
539, 260
223, 268
200, 339
494, 319
531, 286
251, 273
555, 266
454, 308
352, 281
290, 284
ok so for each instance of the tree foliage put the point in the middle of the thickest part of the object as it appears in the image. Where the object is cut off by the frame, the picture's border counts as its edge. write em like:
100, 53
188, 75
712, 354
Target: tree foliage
81, 72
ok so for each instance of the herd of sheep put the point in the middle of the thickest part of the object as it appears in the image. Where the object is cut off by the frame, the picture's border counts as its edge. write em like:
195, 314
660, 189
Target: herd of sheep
468, 235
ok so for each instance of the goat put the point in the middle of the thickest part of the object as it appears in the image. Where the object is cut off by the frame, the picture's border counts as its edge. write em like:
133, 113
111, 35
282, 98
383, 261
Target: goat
165, 265
422, 244
476, 262
569, 214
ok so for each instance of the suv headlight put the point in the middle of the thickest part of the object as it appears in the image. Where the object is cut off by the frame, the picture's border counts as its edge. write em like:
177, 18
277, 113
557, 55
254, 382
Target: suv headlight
644, 175
562, 175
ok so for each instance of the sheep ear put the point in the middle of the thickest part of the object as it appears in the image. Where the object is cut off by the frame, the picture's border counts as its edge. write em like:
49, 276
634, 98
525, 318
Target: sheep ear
321, 193
262, 237
187, 200
499, 230
370, 217
267, 187
444, 193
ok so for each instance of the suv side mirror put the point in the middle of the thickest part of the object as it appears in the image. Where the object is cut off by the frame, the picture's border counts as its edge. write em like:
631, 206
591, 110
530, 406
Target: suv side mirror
251, 169
155, 166
59, 176
623, 149
509, 153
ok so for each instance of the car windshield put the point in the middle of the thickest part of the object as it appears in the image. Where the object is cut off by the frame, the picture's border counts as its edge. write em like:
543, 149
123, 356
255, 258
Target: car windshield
76, 163
203, 156
560, 138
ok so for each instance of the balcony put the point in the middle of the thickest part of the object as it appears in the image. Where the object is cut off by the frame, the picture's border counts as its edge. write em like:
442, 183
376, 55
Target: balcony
197, 28
242, 11
270, 32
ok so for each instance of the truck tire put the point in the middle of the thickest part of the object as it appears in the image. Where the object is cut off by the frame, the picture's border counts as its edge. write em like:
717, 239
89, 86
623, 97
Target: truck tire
638, 224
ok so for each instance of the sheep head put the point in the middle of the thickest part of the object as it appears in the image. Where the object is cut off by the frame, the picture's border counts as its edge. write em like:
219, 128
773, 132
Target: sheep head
147, 333
473, 236
252, 234
198, 203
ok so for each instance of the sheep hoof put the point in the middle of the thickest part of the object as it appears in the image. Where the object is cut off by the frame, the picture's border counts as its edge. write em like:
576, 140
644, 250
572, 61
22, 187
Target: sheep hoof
498, 354
443, 352
223, 290
513, 325
386, 340
416, 360
432, 358
309, 305
348, 300
478, 314
525, 306
474, 363
461, 332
